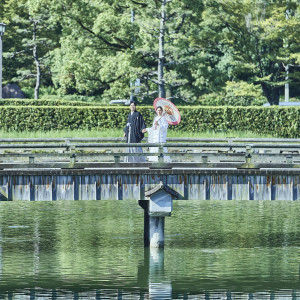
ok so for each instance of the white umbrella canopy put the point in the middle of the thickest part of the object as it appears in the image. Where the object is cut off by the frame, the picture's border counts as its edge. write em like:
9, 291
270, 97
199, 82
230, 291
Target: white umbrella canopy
170, 111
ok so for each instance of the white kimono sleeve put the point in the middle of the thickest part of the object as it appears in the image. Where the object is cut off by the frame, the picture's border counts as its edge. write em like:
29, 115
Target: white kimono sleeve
163, 127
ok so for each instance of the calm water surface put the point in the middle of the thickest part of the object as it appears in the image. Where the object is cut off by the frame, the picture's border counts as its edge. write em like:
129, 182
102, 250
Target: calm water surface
94, 250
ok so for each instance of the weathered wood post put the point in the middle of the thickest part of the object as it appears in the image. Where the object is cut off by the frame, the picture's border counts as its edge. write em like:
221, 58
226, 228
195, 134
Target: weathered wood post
157, 206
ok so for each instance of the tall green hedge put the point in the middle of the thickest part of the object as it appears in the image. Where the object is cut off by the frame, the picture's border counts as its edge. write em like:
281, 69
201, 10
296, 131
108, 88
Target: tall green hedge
44, 102
283, 121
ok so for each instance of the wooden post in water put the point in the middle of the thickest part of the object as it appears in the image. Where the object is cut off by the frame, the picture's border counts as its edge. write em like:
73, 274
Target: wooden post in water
157, 206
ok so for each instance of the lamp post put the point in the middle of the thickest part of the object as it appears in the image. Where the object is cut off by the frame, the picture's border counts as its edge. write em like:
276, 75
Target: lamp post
2, 30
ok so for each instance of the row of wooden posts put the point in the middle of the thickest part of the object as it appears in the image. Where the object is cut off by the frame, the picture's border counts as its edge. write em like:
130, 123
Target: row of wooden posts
209, 153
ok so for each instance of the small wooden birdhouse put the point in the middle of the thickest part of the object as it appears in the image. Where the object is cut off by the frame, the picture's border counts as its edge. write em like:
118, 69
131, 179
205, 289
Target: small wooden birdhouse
160, 200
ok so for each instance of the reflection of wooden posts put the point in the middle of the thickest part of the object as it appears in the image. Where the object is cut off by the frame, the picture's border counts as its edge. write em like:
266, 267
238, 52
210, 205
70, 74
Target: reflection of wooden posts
157, 206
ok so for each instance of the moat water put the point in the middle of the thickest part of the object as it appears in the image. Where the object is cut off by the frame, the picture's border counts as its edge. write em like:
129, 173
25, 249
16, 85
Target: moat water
94, 250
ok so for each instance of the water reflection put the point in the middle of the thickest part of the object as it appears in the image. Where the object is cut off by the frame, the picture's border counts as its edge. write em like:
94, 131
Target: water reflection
151, 274
94, 250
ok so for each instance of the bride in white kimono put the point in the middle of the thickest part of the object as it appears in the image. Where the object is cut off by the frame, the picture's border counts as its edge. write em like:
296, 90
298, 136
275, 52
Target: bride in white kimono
158, 134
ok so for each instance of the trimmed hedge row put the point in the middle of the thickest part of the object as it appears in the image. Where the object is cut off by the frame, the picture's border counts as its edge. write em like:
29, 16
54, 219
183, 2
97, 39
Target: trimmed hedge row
282, 121
44, 102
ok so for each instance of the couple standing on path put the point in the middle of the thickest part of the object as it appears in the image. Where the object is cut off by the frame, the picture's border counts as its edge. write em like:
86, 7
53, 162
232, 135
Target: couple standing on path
135, 129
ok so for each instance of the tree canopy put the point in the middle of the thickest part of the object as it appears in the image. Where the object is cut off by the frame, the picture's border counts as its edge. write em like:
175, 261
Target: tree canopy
115, 48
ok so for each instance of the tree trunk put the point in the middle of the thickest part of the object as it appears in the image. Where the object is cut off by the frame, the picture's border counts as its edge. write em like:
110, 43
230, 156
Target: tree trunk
161, 54
37, 63
272, 93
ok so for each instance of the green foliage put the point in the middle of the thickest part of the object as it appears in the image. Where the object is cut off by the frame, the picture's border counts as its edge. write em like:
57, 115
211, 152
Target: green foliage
238, 93
242, 88
118, 133
95, 49
93, 100
31, 35
46, 92
44, 102
279, 121
215, 99
50, 93
249, 40
103, 51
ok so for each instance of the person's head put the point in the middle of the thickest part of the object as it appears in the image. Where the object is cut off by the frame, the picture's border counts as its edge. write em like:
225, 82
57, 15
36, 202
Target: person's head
132, 106
159, 110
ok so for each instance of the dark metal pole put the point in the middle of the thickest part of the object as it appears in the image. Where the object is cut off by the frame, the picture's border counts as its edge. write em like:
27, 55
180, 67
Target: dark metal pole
2, 30
161, 54
132, 46
37, 63
286, 86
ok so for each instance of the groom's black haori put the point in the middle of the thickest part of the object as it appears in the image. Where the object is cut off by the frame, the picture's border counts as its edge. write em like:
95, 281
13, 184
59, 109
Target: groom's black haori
135, 125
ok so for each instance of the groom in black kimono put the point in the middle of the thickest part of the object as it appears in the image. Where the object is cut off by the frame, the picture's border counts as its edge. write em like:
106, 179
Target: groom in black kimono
135, 125
133, 132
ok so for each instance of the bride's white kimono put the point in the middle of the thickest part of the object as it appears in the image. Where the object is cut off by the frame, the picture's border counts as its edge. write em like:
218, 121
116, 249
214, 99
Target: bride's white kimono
158, 134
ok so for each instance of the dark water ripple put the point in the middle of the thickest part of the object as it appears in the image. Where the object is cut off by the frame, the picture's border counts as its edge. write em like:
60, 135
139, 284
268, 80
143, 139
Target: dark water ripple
94, 250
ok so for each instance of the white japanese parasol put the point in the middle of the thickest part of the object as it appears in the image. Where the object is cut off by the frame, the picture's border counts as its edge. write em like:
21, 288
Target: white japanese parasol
171, 112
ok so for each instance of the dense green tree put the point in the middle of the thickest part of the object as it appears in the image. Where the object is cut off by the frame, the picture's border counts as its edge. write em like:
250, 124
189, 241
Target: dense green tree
31, 35
95, 50
107, 44
9, 41
163, 42
174, 48
252, 40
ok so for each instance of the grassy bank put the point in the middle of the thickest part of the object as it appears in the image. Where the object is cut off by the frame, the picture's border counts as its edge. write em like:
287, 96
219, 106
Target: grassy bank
105, 133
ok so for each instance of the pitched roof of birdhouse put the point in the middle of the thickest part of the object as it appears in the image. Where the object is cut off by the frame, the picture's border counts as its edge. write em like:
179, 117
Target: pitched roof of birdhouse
165, 187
